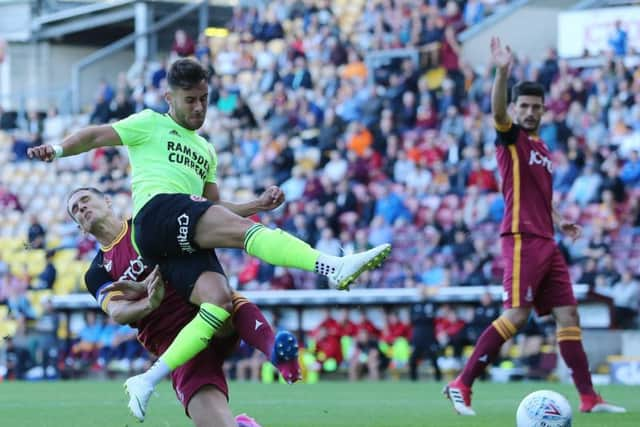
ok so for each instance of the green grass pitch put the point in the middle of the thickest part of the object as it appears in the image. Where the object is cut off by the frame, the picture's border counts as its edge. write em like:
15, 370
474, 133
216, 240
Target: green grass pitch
328, 404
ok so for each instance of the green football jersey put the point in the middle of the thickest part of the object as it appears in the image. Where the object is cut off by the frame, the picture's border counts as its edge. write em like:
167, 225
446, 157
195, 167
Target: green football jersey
165, 157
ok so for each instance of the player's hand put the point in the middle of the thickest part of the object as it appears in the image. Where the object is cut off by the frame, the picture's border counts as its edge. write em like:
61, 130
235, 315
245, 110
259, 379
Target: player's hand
574, 231
155, 288
501, 56
42, 152
126, 290
270, 199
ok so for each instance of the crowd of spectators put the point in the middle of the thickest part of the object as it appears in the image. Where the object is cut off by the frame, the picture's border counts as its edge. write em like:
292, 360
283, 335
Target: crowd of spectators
368, 152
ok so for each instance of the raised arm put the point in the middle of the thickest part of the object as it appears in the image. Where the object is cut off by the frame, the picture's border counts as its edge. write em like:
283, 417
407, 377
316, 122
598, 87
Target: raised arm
270, 199
501, 58
82, 141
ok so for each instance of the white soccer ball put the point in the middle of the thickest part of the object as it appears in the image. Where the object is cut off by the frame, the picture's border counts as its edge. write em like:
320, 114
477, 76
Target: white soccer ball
544, 408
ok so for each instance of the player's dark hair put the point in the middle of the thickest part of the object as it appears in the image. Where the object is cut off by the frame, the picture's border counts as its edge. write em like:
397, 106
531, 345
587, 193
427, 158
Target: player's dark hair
93, 190
185, 74
528, 89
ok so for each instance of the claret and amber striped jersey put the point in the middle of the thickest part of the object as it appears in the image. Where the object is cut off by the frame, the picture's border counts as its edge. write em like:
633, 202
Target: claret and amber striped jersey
525, 166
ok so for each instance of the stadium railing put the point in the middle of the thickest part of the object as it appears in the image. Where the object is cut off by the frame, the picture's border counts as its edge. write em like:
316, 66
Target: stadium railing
594, 312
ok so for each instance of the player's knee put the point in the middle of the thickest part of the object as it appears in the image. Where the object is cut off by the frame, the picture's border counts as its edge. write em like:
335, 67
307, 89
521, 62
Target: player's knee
517, 316
212, 288
567, 317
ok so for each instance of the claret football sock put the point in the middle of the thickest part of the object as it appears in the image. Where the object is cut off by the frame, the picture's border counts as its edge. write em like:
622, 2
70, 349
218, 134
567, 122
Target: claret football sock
487, 349
251, 325
254, 329
570, 343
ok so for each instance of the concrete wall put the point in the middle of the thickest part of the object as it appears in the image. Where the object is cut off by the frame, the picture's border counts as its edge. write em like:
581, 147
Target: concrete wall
15, 20
40, 74
530, 31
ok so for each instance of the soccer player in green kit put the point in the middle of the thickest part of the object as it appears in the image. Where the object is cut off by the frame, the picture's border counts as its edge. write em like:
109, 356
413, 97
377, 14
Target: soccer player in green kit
178, 214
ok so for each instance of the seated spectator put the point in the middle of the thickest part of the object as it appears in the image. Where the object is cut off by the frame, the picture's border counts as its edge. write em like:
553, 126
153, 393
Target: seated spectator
84, 352
44, 338
36, 234
327, 349
365, 355
47, 277
55, 126
19, 304
18, 359
449, 330
585, 187
248, 363
9, 201
626, 299
183, 45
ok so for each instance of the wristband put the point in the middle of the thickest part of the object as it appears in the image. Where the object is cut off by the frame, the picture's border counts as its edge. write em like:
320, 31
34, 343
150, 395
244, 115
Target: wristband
57, 150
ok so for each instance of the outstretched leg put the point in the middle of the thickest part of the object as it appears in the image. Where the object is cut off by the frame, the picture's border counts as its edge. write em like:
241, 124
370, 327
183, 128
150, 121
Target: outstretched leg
220, 228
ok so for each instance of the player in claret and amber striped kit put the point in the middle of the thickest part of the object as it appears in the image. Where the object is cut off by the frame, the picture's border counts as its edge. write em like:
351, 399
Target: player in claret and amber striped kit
536, 274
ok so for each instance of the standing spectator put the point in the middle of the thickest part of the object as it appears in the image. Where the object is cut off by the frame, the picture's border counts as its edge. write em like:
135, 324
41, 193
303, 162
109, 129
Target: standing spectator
630, 172
423, 339
618, 40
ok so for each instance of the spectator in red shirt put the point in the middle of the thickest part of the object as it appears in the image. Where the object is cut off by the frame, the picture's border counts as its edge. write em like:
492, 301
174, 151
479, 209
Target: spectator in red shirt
366, 324
347, 327
327, 346
330, 324
183, 45
483, 179
449, 330
394, 328
9, 201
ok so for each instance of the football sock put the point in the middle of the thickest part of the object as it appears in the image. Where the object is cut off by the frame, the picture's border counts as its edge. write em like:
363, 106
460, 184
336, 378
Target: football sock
277, 247
251, 325
570, 343
191, 340
487, 349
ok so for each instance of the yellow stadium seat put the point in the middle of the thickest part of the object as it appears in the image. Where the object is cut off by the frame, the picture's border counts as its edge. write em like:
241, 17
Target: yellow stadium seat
8, 328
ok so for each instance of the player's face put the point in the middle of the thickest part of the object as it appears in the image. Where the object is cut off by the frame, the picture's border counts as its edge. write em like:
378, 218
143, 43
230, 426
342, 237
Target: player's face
87, 209
528, 112
189, 106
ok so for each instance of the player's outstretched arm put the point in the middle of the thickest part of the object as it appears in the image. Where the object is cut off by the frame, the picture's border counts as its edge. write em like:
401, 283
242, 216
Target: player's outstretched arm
501, 58
270, 199
82, 141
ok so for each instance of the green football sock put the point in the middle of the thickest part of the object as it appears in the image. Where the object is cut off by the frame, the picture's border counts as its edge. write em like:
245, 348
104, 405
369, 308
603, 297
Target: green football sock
195, 336
279, 248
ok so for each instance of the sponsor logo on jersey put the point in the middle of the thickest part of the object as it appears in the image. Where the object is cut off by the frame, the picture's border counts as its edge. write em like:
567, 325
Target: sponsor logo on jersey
183, 234
134, 271
536, 158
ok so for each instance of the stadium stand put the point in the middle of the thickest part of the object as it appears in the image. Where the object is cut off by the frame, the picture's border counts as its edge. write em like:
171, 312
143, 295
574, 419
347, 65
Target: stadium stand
365, 151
